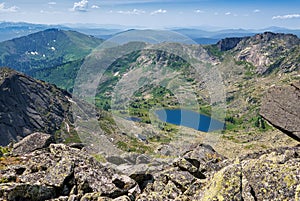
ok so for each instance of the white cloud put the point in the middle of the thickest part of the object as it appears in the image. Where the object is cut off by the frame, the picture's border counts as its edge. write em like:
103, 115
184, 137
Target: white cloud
4, 9
95, 6
283, 17
52, 3
80, 6
199, 11
48, 12
132, 12
228, 13
256, 11
159, 11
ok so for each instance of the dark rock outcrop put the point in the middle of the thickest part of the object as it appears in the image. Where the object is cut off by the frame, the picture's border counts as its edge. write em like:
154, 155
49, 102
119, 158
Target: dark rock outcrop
281, 107
28, 105
228, 43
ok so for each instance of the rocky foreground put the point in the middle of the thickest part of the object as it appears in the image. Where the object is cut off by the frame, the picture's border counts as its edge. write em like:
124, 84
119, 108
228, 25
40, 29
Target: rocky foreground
50, 171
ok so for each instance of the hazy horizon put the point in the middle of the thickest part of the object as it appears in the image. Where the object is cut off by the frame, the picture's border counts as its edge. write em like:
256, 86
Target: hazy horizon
215, 14
126, 27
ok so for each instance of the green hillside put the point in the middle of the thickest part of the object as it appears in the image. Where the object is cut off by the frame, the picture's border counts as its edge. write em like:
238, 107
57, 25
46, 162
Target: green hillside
37, 54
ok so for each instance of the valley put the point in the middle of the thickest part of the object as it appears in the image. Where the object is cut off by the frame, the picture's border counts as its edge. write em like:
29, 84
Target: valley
245, 81
129, 113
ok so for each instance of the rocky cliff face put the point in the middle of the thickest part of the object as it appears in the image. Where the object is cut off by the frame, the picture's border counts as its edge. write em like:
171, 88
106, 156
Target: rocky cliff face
267, 51
270, 51
281, 108
28, 105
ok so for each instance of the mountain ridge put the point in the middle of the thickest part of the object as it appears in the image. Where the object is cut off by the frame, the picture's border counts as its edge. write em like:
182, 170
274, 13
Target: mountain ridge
267, 52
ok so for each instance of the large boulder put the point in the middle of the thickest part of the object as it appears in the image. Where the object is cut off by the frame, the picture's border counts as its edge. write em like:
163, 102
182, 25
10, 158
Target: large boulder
22, 191
33, 142
204, 158
200, 160
281, 107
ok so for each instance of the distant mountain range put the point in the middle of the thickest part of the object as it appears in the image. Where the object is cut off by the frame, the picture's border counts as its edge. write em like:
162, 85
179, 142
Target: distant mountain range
201, 35
10, 30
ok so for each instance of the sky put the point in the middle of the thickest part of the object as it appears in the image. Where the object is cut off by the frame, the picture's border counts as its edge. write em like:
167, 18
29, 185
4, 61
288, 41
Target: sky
247, 14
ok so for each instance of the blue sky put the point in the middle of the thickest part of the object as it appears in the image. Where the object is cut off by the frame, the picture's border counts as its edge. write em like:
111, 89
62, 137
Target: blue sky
156, 13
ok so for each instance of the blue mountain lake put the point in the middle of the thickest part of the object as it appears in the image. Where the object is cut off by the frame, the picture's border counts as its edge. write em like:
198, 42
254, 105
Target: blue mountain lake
189, 119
